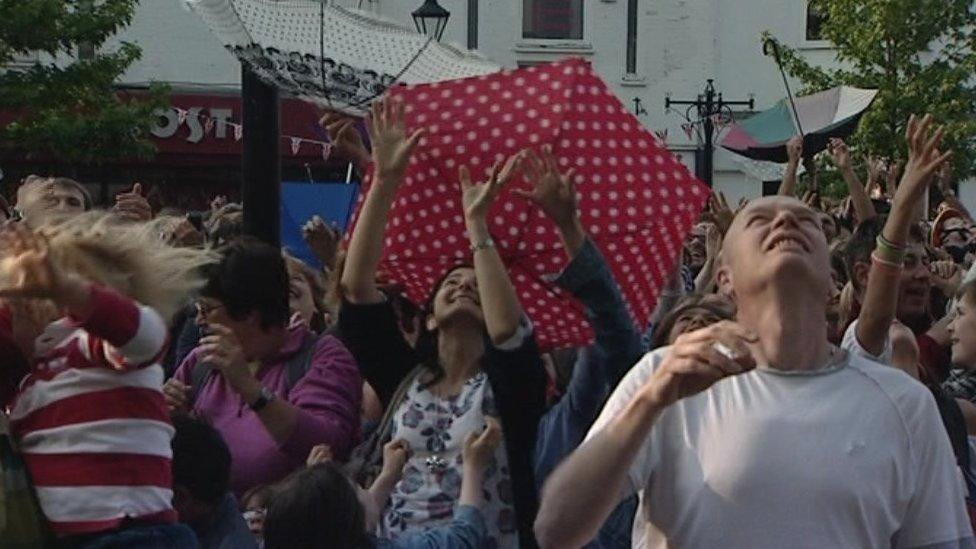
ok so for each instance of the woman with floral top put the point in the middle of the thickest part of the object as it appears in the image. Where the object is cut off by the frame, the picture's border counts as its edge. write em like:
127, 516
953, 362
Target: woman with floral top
478, 359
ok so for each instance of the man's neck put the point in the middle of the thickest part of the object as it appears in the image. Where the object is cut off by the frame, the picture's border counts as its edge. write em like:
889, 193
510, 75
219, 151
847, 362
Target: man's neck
792, 328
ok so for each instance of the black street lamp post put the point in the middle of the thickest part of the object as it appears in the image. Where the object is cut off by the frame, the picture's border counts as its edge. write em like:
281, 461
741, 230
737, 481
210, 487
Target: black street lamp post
431, 19
706, 106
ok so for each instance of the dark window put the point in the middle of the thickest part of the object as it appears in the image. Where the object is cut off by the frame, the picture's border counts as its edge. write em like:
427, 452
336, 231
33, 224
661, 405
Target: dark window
552, 19
816, 17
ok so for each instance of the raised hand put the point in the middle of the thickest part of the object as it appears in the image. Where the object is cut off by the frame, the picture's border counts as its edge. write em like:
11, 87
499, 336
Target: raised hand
713, 242
218, 202
946, 276
346, 141
840, 153
701, 358
552, 191
322, 239
26, 269
794, 149
924, 159
132, 206
392, 146
477, 198
721, 212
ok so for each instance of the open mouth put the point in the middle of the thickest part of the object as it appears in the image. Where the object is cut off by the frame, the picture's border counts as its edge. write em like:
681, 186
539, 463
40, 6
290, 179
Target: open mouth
787, 242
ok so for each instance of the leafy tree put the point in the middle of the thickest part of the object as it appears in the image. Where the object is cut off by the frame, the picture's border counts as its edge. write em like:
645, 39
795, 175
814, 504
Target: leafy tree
66, 106
918, 54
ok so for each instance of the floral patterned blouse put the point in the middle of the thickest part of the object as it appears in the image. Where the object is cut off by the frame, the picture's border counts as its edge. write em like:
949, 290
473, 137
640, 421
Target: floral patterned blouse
435, 427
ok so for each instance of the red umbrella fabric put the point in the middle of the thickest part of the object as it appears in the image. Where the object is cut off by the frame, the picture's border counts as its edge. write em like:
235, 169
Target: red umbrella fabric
636, 201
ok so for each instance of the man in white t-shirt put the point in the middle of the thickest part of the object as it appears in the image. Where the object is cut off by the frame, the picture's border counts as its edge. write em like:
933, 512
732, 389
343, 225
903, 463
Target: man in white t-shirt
759, 433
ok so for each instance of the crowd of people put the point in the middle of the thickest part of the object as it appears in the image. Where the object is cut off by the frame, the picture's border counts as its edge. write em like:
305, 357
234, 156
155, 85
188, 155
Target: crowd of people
808, 377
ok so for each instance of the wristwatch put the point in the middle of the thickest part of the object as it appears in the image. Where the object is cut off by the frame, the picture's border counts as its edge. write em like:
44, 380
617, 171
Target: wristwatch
263, 400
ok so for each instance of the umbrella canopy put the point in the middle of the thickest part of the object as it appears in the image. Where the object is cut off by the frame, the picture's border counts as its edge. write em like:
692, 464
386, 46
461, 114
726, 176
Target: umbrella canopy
635, 199
831, 113
337, 57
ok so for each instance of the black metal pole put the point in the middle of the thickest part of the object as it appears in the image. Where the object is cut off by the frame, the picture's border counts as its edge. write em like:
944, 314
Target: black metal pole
472, 24
260, 162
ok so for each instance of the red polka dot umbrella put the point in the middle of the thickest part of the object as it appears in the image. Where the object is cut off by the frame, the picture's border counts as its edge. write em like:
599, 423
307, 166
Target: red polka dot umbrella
636, 201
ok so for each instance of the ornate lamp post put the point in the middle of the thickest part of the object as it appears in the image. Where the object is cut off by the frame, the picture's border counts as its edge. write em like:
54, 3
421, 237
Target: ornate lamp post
703, 112
431, 19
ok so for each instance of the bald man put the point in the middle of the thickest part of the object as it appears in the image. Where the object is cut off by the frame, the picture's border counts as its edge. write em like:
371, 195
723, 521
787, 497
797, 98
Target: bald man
759, 433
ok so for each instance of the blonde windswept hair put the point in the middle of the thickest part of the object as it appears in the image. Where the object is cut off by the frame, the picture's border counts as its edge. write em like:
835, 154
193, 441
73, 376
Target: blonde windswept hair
129, 258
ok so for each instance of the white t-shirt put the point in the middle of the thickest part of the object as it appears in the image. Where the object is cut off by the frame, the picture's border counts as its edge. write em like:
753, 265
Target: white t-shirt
851, 343
852, 456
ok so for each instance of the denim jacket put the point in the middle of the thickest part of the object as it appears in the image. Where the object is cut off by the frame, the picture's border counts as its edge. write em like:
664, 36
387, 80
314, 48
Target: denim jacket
597, 371
466, 531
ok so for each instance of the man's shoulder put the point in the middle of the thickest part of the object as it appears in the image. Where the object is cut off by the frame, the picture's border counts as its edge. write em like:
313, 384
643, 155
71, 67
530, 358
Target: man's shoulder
900, 389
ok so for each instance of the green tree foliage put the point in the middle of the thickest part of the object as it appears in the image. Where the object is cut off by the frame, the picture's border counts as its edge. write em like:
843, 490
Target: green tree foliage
918, 54
66, 106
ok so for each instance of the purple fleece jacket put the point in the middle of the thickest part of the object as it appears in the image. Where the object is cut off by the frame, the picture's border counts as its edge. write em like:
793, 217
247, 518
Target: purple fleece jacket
328, 400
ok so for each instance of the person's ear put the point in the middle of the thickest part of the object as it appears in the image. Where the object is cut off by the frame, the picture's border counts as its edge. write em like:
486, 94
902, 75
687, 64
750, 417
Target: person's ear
723, 278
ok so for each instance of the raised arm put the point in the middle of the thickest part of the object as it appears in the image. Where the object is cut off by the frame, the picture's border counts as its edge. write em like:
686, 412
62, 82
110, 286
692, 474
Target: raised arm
794, 153
863, 207
585, 489
879, 305
500, 303
392, 148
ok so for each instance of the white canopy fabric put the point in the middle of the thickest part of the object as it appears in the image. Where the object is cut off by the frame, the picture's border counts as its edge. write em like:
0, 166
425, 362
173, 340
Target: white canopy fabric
334, 56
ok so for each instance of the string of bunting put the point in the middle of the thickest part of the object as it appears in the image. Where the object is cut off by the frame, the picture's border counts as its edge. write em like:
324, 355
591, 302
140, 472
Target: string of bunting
295, 142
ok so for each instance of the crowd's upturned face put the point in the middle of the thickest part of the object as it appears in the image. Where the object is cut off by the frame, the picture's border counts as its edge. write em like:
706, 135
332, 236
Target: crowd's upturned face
692, 319
962, 334
457, 298
695, 251
915, 286
49, 202
773, 240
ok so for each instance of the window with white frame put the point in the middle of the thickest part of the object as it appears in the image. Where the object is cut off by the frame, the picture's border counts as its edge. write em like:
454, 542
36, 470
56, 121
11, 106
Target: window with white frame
552, 19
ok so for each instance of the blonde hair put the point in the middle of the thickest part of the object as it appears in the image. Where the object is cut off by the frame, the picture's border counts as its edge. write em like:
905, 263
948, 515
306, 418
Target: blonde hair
129, 258
316, 284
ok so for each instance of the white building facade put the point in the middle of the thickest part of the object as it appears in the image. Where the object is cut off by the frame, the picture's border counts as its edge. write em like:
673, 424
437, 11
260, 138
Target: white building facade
645, 49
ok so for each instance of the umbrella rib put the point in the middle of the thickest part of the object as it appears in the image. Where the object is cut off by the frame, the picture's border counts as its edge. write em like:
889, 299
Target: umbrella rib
400, 74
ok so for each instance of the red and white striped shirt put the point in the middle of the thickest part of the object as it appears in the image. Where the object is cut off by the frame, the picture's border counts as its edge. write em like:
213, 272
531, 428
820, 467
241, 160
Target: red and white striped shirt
91, 420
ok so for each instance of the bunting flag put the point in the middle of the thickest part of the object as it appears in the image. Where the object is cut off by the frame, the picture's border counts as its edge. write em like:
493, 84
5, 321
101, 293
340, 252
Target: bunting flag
238, 131
688, 128
326, 151
208, 125
181, 115
296, 145
662, 136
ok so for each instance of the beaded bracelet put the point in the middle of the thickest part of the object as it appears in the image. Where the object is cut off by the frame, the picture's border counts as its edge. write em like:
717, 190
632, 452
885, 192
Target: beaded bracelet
483, 245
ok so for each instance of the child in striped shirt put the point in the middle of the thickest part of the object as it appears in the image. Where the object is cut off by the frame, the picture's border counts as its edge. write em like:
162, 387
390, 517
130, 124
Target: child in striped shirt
89, 416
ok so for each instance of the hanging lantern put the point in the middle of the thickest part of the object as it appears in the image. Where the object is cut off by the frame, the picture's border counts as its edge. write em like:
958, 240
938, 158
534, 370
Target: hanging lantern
431, 19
